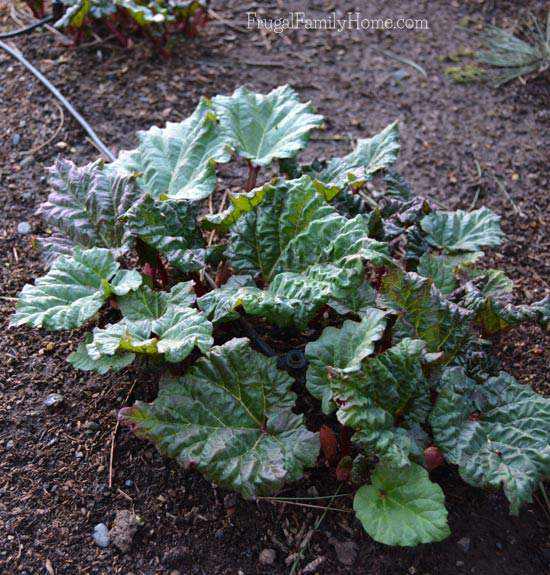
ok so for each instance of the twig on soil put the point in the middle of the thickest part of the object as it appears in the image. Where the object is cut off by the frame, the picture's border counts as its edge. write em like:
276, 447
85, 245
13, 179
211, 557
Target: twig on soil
503, 189
309, 505
402, 60
226, 22
7, 298
307, 538
54, 136
283, 498
113, 437
265, 64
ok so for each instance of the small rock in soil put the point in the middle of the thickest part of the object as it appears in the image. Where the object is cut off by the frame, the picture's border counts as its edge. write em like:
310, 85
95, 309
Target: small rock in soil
15, 139
101, 535
23, 228
313, 565
123, 530
464, 544
346, 551
10, 444
53, 400
268, 556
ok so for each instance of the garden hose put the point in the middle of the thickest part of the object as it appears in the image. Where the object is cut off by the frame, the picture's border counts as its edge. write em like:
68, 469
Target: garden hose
57, 13
88, 129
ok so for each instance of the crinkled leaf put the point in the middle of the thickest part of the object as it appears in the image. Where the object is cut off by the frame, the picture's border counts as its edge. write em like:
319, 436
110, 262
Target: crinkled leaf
424, 313
80, 359
220, 304
344, 349
497, 433
442, 269
70, 293
231, 416
369, 156
171, 228
385, 401
178, 162
125, 281
146, 306
261, 127
358, 301
85, 207
462, 231
402, 507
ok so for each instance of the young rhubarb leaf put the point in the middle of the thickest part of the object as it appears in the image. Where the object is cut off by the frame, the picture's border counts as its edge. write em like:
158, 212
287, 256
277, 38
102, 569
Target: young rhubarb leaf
424, 313
85, 207
497, 433
369, 156
80, 359
72, 291
171, 228
462, 231
385, 402
178, 162
344, 349
402, 507
231, 416
262, 128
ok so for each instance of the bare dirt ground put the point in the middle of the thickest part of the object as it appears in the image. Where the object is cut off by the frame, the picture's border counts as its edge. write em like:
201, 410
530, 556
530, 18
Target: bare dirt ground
54, 464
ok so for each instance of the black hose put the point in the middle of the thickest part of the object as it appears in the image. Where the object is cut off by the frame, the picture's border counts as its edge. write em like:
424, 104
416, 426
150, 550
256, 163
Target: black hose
24, 30
98, 143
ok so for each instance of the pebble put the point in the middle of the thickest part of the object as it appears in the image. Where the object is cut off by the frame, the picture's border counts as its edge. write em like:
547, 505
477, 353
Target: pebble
15, 139
345, 551
128, 483
313, 565
464, 544
24, 228
10, 444
124, 528
101, 535
53, 400
267, 556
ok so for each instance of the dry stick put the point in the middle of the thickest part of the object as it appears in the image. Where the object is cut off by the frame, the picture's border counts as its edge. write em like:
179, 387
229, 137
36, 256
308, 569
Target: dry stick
309, 505
56, 133
307, 538
229, 24
503, 189
113, 437
220, 210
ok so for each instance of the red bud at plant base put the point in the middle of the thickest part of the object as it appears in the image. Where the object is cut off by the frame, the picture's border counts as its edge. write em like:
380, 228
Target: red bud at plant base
343, 470
433, 457
329, 444
148, 270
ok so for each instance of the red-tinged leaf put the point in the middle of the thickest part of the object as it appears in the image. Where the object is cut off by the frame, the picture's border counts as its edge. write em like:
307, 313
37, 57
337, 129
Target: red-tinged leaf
433, 457
329, 444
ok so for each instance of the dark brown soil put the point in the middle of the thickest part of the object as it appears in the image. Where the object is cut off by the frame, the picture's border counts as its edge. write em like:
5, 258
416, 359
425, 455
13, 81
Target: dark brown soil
54, 464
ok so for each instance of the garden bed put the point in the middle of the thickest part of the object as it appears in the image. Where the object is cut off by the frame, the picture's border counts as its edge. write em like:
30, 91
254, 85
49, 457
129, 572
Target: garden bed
55, 462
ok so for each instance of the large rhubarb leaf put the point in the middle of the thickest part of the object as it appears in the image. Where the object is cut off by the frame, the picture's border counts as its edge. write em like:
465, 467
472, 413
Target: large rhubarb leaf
442, 269
262, 128
424, 313
306, 252
344, 349
231, 417
385, 402
171, 228
85, 207
497, 433
173, 335
178, 162
462, 231
72, 291
369, 156
402, 507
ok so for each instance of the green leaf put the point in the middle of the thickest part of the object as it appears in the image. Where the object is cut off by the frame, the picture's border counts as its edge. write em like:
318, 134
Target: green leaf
231, 417
71, 293
462, 231
262, 128
385, 402
344, 349
125, 281
402, 507
497, 433
178, 162
80, 359
220, 304
369, 156
171, 228
306, 252
85, 207
239, 204
145, 306
424, 313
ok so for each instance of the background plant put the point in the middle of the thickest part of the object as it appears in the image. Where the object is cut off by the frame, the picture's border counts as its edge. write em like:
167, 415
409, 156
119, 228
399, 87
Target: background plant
385, 294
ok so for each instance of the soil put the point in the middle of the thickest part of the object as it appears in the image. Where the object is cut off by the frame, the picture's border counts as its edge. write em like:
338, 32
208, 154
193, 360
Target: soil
54, 463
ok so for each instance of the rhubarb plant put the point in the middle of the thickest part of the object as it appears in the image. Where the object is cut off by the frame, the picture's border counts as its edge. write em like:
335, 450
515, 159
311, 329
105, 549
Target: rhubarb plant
385, 297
